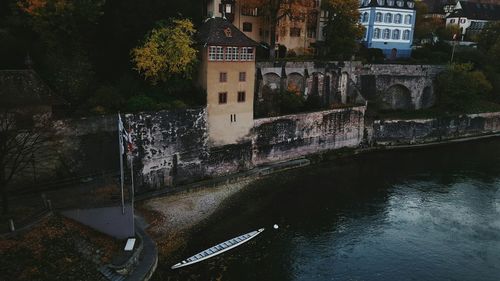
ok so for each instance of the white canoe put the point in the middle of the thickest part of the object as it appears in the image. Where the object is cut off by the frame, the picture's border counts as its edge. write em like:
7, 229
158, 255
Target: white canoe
219, 249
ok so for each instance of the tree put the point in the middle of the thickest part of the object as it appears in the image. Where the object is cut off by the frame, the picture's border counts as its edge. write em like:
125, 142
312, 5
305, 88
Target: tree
460, 86
424, 26
343, 29
489, 36
20, 140
65, 24
273, 11
167, 50
64, 30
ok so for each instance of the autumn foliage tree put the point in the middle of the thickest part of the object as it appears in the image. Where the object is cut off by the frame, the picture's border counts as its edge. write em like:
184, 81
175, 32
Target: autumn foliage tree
167, 50
275, 10
343, 30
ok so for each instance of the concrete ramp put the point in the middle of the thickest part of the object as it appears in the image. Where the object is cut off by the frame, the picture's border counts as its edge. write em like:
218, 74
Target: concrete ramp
108, 220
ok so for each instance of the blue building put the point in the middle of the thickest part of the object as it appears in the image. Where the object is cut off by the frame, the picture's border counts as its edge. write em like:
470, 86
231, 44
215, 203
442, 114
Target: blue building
390, 25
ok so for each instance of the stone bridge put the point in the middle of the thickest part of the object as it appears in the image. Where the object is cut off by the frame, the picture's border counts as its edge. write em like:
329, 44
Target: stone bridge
390, 86
394, 86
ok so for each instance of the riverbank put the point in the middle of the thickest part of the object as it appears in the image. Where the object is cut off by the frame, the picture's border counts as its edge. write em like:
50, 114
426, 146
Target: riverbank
175, 217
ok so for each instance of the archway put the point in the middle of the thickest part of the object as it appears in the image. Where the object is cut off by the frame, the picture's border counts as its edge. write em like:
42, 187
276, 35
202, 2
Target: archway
295, 82
396, 97
272, 80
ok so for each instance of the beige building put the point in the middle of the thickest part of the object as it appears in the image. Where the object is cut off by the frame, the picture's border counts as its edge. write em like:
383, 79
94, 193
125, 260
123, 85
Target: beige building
228, 76
297, 32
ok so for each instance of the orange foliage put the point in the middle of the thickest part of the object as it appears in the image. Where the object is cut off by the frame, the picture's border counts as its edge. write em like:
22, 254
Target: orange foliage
31, 6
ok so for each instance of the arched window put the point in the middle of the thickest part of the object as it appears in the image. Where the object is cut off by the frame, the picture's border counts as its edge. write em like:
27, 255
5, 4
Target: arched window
387, 34
398, 18
388, 18
406, 35
408, 19
396, 34
376, 33
378, 17
365, 17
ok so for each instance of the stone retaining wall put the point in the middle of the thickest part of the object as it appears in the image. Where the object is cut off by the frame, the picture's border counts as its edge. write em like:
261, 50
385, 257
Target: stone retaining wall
394, 132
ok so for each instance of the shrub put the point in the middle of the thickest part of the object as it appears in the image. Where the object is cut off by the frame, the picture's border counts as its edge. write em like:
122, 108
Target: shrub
460, 87
140, 103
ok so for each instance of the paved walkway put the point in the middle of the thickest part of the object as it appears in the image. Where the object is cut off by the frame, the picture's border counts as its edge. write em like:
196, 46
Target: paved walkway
148, 259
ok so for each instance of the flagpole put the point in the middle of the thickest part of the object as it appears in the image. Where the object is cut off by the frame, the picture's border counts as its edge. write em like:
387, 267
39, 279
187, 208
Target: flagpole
132, 180
120, 151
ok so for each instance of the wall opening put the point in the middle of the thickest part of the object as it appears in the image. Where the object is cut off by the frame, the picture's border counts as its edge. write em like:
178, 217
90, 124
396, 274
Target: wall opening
396, 97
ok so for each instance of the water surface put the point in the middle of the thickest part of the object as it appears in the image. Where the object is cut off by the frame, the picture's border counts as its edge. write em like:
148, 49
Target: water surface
420, 214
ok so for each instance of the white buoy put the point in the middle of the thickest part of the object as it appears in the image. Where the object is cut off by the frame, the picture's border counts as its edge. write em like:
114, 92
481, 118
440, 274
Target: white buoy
276, 226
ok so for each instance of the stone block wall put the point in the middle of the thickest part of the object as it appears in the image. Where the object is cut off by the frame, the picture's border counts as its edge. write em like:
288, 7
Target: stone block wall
394, 132
169, 145
293, 136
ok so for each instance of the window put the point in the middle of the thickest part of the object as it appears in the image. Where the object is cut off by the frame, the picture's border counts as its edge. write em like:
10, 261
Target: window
241, 96
376, 33
388, 18
294, 32
247, 27
396, 34
380, 2
452, 21
387, 34
390, 3
247, 54
246, 11
408, 19
232, 53
243, 77
406, 35
233, 118
211, 53
222, 98
219, 55
311, 33
398, 18
223, 77
378, 17
365, 17
400, 3
229, 54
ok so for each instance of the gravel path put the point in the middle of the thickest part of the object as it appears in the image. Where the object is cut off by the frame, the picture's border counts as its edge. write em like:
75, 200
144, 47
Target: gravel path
183, 211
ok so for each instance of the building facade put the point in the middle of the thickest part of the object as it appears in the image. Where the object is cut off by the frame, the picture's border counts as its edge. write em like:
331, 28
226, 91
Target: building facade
472, 17
227, 74
295, 31
389, 26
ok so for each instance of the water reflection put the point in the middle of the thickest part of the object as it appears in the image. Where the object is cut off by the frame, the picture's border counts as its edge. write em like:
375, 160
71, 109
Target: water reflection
427, 214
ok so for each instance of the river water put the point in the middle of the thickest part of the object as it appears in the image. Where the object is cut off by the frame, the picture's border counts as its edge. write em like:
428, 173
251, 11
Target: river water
419, 214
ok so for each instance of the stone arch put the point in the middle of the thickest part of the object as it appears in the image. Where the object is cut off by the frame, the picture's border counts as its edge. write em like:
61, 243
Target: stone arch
295, 82
316, 83
428, 98
396, 97
272, 80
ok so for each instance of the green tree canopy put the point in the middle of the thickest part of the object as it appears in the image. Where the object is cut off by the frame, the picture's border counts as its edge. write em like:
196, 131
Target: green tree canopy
343, 30
167, 50
460, 86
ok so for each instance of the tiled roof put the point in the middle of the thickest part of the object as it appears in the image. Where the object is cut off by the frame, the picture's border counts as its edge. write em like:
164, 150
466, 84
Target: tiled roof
477, 11
221, 32
437, 6
398, 4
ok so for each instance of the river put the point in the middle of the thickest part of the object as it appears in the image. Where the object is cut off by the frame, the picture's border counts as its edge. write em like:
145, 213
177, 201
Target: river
417, 214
